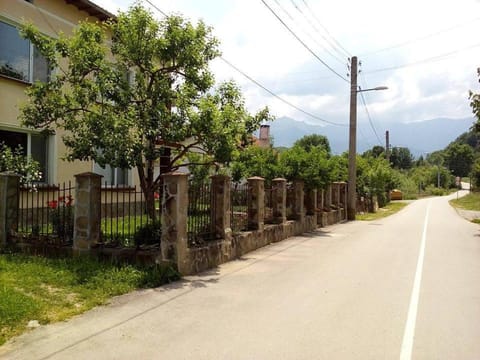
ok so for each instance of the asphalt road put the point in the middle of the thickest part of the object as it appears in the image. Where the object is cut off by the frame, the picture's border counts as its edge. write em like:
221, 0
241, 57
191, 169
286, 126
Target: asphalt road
405, 287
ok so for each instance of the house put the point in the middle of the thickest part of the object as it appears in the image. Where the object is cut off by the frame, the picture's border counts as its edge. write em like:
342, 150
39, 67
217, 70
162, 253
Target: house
21, 64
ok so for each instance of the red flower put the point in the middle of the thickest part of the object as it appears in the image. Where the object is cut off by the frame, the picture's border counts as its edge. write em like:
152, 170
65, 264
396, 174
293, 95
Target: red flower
69, 200
52, 204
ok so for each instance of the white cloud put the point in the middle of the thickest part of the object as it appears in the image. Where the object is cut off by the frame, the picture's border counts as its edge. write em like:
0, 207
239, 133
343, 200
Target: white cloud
255, 41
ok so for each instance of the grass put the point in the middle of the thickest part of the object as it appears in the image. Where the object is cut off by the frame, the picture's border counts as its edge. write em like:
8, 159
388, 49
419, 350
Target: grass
468, 202
49, 290
388, 210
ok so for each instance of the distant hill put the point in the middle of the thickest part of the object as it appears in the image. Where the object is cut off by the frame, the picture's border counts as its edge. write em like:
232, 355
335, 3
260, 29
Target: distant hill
420, 137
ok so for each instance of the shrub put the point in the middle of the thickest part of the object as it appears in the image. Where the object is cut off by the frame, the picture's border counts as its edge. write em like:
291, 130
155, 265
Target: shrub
61, 216
148, 234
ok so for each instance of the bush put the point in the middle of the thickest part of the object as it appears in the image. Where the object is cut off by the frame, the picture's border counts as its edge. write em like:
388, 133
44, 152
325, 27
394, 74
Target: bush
148, 234
435, 191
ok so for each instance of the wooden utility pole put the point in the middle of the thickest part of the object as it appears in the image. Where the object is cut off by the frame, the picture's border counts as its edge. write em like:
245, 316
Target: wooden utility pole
387, 145
352, 147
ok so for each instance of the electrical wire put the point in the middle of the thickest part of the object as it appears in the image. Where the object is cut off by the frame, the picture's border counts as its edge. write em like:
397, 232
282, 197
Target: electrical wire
408, 42
364, 81
302, 42
279, 97
338, 56
370, 119
424, 61
325, 29
261, 86
329, 42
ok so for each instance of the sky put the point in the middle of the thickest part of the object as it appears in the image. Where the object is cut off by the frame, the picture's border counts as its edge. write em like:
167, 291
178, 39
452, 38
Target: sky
426, 52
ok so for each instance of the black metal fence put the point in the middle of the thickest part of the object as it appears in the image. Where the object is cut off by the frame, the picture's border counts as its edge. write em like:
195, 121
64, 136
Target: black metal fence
127, 219
239, 207
46, 214
200, 213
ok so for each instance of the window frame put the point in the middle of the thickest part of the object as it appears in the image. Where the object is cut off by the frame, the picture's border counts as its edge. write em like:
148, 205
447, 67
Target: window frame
31, 57
47, 169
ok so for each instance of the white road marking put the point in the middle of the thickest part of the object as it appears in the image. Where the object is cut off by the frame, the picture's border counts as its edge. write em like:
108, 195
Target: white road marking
409, 334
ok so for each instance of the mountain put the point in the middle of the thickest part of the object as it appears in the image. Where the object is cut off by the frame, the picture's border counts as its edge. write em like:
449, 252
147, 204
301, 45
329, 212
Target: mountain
420, 137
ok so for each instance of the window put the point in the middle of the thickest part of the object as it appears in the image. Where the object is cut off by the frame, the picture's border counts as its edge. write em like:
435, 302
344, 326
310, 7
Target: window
112, 176
34, 145
19, 59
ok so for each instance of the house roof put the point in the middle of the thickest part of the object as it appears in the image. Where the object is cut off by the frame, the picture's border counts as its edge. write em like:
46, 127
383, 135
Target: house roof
92, 9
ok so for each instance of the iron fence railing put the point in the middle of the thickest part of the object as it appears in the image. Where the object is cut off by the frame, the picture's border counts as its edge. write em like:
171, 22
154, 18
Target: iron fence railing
239, 207
128, 219
46, 213
200, 213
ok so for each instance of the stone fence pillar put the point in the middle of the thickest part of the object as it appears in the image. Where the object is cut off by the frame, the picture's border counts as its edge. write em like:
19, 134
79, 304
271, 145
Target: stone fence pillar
279, 200
9, 202
174, 244
256, 203
311, 205
88, 204
327, 197
221, 208
298, 202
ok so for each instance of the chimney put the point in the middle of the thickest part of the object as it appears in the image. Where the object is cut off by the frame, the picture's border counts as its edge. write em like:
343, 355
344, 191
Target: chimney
264, 136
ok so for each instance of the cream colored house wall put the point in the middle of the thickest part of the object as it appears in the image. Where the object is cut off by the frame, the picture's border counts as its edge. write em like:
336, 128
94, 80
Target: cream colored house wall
51, 17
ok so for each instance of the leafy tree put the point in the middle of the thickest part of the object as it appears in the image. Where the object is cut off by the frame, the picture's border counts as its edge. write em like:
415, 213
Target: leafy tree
436, 158
314, 140
338, 165
255, 161
312, 166
475, 175
15, 161
401, 158
374, 177
459, 159
134, 85
475, 105
375, 151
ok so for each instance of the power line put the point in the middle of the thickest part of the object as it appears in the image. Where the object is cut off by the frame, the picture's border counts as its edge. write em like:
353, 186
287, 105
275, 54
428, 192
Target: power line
339, 55
303, 43
156, 8
369, 118
421, 38
424, 61
279, 97
261, 86
325, 29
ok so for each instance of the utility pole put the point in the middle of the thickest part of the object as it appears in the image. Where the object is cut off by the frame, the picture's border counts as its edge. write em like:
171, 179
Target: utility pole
352, 145
387, 146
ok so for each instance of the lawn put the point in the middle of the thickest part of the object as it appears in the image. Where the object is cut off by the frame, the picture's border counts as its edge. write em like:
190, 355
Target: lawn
467, 202
49, 290
388, 210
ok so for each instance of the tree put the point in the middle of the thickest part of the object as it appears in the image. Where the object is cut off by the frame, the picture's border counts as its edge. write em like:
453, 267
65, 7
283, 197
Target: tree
374, 177
475, 105
459, 159
315, 140
401, 158
375, 151
312, 166
122, 99
15, 161
255, 161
